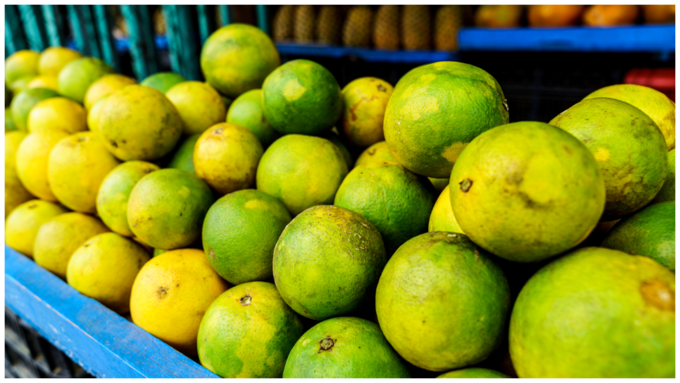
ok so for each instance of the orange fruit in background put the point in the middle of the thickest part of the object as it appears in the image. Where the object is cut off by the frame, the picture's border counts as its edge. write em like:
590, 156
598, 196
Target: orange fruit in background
603, 15
659, 13
499, 16
553, 15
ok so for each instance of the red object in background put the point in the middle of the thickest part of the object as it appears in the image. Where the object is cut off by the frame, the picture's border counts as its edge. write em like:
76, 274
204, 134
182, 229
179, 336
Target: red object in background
661, 79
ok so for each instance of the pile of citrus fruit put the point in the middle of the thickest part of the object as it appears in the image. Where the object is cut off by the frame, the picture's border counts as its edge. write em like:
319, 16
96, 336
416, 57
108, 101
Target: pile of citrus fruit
273, 224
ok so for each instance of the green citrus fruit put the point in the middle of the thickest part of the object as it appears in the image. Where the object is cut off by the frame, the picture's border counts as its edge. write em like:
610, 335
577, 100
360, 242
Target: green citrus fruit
184, 156
338, 141
226, 157
199, 105
395, 200
21, 64
166, 208
442, 218
327, 261
629, 149
344, 348
471, 373
237, 58
667, 192
104, 86
442, 303
379, 152
301, 171
649, 232
527, 191
301, 97
77, 76
54, 59
114, 193
20, 84
436, 110
595, 313
365, 100
248, 332
248, 111
32, 159
59, 237
9, 121
23, 223
132, 135
57, 113
163, 81
24, 101
15, 192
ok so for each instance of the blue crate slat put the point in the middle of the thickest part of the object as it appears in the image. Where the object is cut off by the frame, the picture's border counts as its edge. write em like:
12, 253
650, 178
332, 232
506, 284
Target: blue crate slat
15, 39
370, 55
106, 44
263, 17
641, 38
54, 25
183, 41
34, 26
101, 341
140, 34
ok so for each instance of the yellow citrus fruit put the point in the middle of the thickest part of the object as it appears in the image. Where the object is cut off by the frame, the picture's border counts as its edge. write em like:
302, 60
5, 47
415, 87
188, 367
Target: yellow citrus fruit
32, 158
77, 166
77, 76
43, 81
104, 86
57, 113
364, 110
20, 64
59, 237
104, 268
53, 59
93, 115
171, 294
15, 192
23, 223
378, 152
442, 218
20, 84
23, 102
199, 105
226, 157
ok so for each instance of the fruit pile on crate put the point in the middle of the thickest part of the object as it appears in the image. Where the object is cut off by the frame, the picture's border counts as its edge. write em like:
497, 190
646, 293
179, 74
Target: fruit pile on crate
275, 225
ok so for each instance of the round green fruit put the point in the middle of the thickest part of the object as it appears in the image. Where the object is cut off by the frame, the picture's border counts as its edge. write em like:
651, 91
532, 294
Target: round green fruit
184, 156
77, 76
23, 102
163, 81
667, 192
248, 111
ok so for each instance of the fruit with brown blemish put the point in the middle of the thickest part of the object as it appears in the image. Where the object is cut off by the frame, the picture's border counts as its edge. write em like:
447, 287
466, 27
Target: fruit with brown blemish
365, 100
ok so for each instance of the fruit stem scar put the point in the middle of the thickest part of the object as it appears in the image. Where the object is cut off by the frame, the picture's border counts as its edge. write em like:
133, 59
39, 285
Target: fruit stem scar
465, 185
326, 343
245, 300
658, 294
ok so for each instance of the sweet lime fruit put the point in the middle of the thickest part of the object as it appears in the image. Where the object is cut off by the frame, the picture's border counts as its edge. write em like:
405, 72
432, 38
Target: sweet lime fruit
302, 97
226, 157
527, 191
344, 348
236, 58
21, 64
397, 201
442, 217
77, 76
166, 208
104, 86
32, 158
340, 143
327, 261
248, 332
442, 303
473, 373
93, 115
44, 81
365, 100
184, 156
629, 149
239, 234
649, 232
248, 111
667, 192
131, 135
378, 152
54, 59
114, 194
199, 105
595, 313
24, 101
301, 171
171, 294
23, 223
163, 81
436, 110
57, 113
15, 192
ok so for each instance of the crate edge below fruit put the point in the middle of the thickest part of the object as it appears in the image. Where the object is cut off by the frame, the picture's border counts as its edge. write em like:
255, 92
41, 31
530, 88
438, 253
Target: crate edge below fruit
101, 341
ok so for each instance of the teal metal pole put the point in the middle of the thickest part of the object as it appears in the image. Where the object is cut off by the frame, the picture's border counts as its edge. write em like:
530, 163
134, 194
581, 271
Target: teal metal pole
15, 39
263, 17
206, 21
90, 31
225, 14
184, 44
54, 25
76, 26
141, 38
108, 49
32, 20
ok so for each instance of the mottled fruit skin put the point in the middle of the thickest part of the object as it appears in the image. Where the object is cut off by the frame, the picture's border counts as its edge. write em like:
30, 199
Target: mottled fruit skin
649, 232
184, 156
104, 86
327, 261
442, 303
171, 294
199, 105
54, 59
226, 157
667, 192
379, 152
32, 159
163, 81
239, 234
95, 273
114, 193
248, 332
237, 58
595, 313
302, 97
471, 373
166, 208
442, 217
57, 113
23, 223
397, 201
59, 237
436, 110
301, 171
131, 135
365, 100
77, 76
527, 191
344, 348
248, 111
77, 166
15, 192
24, 101
629, 149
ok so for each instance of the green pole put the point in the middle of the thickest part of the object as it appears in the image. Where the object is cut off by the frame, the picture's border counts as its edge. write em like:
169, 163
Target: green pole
87, 23
141, 39
31, 18
108, 49
76, 26
225, 14
263, 17
206, 21
54, 25
15, 39
184, 44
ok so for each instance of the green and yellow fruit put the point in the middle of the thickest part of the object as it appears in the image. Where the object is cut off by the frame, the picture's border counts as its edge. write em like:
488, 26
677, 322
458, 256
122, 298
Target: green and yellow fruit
15, 192
23, 223
104, 86
32, 160
442, 217
248, 111
76, 77
57, 113
365, 100
54, 59
24, 101
163, 81
21, 64
199, 105
378, 152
